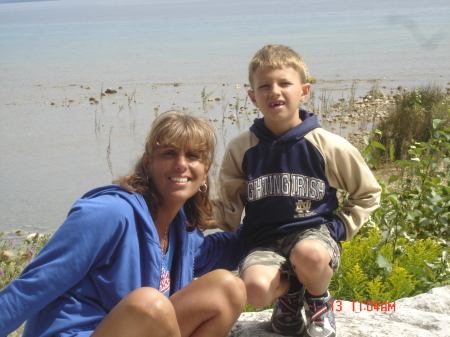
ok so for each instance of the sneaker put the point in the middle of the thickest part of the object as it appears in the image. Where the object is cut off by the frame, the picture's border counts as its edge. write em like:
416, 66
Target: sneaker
287, 317
320, 316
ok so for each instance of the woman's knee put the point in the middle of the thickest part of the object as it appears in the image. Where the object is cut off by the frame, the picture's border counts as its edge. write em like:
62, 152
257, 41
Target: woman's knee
149, 304
231, 287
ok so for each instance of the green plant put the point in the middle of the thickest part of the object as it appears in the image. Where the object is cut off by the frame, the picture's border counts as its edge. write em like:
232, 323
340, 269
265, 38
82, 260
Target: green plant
371, 157
411, 118
15, 256
369, 271
403, 248
326, 107
205, 97
420, 206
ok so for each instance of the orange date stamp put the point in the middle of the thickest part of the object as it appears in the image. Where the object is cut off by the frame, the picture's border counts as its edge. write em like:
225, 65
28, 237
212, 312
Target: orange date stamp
360, 306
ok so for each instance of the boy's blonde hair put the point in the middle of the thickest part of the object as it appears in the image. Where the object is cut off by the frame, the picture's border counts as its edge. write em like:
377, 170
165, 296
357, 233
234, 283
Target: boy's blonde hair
277, 56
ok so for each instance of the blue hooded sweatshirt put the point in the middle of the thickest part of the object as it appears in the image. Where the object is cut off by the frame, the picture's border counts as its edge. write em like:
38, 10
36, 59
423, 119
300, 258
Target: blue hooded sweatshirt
107, 247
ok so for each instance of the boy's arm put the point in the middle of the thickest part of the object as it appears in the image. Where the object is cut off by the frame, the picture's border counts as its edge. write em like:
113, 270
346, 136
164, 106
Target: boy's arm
232, 191
346, 170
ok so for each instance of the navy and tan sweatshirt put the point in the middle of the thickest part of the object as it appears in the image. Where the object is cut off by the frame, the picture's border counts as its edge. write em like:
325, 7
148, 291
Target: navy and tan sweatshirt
289, 182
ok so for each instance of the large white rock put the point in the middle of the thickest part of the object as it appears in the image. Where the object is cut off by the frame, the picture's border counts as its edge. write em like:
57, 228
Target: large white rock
420, 316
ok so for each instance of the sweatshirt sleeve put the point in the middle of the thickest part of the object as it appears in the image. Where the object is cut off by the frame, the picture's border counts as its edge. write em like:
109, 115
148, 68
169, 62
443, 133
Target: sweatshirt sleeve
219, 250
346, 170
229, 206
85, 240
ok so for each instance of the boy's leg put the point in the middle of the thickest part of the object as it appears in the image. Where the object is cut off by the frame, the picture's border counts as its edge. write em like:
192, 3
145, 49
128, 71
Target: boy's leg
311, 261
315, 257
268, 276
208, 306
264, 284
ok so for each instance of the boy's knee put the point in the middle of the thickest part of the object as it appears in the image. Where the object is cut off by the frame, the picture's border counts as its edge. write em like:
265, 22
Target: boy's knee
310, 255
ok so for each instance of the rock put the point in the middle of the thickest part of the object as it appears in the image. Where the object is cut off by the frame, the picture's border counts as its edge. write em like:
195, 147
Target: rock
19, 232
424, 315
110, 91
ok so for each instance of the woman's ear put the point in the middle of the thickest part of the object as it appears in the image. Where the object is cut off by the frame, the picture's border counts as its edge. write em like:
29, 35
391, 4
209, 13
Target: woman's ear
146, 164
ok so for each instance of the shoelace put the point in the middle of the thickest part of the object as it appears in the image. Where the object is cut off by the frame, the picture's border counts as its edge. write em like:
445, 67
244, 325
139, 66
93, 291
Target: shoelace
318, 308
317, 311
291, 305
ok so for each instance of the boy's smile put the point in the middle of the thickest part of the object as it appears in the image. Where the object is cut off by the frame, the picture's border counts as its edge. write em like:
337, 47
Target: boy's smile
277, 93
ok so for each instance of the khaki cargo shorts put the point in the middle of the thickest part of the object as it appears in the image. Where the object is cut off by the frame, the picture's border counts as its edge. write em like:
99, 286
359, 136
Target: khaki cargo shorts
277, 254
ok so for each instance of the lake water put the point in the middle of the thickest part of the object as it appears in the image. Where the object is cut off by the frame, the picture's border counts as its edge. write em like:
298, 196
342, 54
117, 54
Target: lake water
55, 55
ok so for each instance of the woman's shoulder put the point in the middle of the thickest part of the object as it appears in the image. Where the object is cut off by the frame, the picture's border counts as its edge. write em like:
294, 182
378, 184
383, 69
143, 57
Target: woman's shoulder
107, 205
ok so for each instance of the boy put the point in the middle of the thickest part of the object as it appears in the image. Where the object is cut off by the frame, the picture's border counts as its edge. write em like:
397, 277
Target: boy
285, 171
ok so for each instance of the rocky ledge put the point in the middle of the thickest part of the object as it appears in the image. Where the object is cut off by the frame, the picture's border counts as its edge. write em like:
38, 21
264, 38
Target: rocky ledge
420, 316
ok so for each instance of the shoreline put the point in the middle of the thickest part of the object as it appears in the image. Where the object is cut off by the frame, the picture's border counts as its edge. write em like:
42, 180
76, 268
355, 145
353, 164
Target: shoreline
69, 135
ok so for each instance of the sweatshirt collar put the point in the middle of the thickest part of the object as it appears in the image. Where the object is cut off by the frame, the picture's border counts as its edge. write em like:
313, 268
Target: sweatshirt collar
309, 122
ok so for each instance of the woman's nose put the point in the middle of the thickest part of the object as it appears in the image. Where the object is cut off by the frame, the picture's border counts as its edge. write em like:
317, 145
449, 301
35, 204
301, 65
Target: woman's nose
181, 162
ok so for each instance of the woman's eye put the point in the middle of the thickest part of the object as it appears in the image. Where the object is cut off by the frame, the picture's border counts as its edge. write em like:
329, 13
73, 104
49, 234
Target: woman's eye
193, 155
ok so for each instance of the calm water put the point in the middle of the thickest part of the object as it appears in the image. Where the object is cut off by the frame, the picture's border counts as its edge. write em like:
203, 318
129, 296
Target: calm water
51, 51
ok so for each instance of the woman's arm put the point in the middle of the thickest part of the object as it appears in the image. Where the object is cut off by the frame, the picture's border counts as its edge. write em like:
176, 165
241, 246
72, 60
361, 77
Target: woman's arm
82, 242
219, 250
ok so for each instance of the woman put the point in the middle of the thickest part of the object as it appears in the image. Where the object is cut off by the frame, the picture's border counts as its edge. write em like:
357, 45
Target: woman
123, 261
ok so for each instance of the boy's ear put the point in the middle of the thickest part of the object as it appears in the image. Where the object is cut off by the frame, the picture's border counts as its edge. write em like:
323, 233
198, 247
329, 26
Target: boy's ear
251, 94
305, 91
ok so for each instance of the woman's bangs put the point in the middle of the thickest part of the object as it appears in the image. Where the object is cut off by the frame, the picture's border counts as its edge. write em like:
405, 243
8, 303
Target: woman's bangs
188, 139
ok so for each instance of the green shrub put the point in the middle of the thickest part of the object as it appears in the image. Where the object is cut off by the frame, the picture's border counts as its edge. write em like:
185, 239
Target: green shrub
14, 258
370, 272
403, 249
419, 204
411, 118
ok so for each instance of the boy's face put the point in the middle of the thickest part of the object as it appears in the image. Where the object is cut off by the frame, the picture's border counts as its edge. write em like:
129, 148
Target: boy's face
277, 93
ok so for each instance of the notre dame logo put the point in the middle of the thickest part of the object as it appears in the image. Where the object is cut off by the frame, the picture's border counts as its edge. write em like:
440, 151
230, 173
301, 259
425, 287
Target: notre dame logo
302, 208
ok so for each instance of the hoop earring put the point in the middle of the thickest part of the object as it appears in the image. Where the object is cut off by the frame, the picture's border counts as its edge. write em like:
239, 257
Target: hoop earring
204, 189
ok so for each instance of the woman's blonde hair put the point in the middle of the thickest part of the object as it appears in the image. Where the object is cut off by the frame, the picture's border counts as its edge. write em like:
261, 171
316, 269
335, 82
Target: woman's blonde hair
180, 130
277, 56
